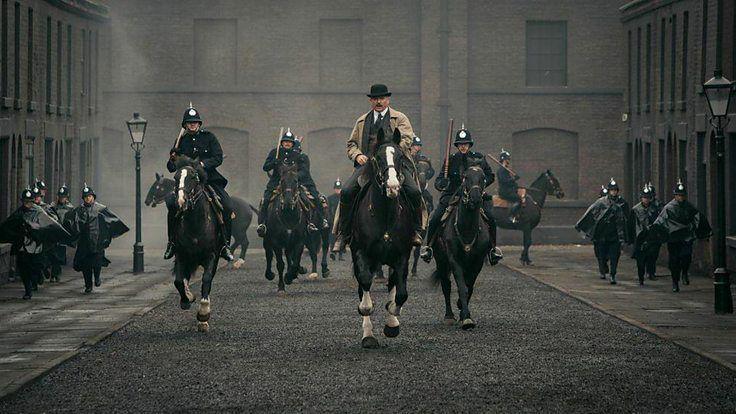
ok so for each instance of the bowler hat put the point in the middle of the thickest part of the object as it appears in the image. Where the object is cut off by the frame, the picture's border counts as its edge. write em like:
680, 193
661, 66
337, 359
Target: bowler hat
378, 90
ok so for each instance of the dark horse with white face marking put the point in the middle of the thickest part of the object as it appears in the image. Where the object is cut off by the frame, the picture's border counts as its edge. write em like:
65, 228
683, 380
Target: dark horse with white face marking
531, 213
243, 211
381, 235
462, 246
197, 235
287, 227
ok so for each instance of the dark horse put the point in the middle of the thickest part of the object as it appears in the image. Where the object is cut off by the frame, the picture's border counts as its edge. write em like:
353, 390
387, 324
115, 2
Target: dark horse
381, 235
462, 246
530, 215
287, 227
422, 168
242, 210
197, 235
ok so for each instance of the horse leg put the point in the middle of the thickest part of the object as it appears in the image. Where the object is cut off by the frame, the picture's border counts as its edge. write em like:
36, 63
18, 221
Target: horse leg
525, 260
181, 282
280, 267
325, 248
414, 264
269, 259
442, 273
397, 296
313, 250
365, 308
462, 290
203, 313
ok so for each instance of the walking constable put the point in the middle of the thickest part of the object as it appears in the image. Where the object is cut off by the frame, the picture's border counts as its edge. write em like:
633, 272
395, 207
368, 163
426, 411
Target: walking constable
200, 145
604, 223
93, 226
26, 229
646, 246
680, 224
450, 183
361, 147
57, 253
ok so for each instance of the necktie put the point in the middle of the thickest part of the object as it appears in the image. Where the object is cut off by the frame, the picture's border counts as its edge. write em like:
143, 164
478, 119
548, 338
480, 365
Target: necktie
379, 119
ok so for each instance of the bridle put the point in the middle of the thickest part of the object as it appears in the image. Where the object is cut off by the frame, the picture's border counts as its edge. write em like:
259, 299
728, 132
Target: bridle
191, 196
467, 190
282, 202
465, 199
159, 198
381, 174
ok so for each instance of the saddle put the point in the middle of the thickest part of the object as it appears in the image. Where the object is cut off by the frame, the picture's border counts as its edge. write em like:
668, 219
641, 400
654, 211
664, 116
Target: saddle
307, 201
454, 201
499, 202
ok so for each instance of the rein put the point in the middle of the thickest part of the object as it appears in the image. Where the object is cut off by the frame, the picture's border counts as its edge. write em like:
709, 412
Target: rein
465, 199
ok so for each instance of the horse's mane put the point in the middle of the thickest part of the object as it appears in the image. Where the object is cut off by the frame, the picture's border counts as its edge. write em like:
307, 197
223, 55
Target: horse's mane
184, 161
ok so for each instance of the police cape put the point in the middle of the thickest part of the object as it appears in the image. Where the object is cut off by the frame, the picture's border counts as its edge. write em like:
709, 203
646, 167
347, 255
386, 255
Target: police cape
681, 222
599, 220
93, 227
33, 223
640, 223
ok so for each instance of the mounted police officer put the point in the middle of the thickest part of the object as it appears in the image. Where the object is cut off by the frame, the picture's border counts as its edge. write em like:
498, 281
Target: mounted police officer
201, 145
306, 176
450, 184
57, 254
361, 147
289, 152
425, 171
508, 188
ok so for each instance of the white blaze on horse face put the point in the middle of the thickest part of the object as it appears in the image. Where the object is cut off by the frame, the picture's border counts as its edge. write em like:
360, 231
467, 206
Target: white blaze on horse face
182, 177
392, 184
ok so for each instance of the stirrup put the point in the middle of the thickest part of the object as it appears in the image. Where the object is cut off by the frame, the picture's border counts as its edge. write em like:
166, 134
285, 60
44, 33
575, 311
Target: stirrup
261, 230
311, 227
226, 254
426, 254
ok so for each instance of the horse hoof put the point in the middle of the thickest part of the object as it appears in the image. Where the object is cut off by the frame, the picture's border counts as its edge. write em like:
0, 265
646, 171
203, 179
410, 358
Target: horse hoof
281, 293
365, 312
313, 276
302, 270
270, 275
468, 324
238, 264
203, 327
325, 274
369, 342
391, 332
186, 305
449, 321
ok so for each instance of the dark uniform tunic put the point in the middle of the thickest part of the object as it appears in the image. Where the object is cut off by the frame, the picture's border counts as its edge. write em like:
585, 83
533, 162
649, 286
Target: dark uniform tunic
450, 185
605, 224
646, 246
680, 224
507, 185
425, 173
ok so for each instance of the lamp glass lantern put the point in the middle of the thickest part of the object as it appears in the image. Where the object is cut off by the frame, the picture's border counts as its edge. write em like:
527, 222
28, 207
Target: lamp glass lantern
718, 91
137, 128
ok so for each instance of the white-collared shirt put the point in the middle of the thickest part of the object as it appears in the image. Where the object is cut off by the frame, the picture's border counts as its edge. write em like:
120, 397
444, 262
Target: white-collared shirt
375, 114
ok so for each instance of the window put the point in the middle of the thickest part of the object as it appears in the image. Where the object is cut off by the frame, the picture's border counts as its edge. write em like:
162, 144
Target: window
29, 75
648, 70
84, 65
647, 161
673, 61
702, 173
4, 178
88, 62
48, 64
4, 50
661, 167
628, 74
683, 76
629, 169
546, 53
69, 71
682, 161
58, 65
661, 64
96, 72
638, 70
16, 51
48, 164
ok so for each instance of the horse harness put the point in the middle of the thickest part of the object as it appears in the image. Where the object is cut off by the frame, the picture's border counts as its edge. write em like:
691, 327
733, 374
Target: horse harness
198, 191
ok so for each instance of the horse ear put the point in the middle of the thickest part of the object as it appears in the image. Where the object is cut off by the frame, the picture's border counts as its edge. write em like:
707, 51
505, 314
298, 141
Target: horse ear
158, 176
397, 136
548, 171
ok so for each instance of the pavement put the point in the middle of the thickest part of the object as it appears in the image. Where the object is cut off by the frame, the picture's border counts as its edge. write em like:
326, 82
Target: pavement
687, 318
535, 349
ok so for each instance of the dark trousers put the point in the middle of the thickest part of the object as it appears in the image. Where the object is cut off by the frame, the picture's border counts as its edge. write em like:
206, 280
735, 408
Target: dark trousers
267, 194
646, 260
89, 272
607, 253
29, 268
441, 207
680, 256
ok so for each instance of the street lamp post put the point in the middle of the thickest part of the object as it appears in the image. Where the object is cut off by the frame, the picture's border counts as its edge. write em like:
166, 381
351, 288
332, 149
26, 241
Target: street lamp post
718, 91
137, 129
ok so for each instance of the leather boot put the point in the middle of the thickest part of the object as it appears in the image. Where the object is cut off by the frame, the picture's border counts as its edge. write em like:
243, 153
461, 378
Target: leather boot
171, 230
262, 214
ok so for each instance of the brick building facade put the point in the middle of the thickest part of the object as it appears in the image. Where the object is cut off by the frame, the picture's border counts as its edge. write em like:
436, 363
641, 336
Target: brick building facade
50, 100
673, 47
539, 78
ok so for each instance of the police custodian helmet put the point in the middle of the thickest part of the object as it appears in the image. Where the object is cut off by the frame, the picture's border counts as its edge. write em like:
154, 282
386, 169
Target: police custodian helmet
463, 137
27, 195
612, 184
190, 115
40, 184
504, 155
87, 190
338, 184
646, 192
63, 191
288, 136
680, 188
416, 141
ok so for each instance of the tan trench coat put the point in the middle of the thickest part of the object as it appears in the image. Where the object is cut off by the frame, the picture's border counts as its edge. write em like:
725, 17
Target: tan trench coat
398, 120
